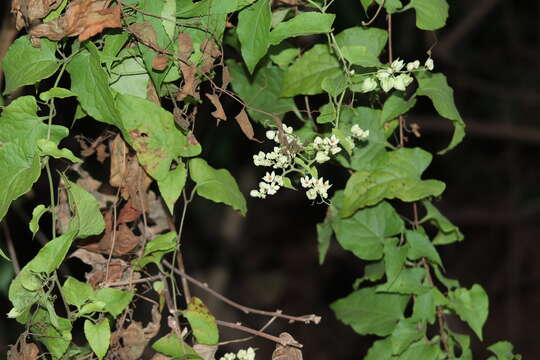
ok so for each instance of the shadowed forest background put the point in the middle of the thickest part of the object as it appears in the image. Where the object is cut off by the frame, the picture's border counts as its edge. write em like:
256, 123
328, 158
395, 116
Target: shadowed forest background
489, 52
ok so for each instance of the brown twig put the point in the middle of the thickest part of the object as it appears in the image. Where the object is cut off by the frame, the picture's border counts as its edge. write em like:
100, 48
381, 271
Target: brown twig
305, 319
10, 247
265, 326
369, 22
136, 281
243, 328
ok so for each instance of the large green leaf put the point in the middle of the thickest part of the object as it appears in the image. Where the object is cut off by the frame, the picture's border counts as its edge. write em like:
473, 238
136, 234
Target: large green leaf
202, 322
471, 306
369, 312
89, 82
448, 233
504, 351
394, 258
171, 345
406, 332
362, 46
422, 350
87, 219
261, 92
76, 292
395, 105
130, 77
55, 338
421, 247
305, 23
253, 31
115, 300
364, 233
435, 87
157, 247
397, 177
217, 185
430, 14
98, 336
380, 350
306, 74
152, 132
407, 281
172, 185
25, 64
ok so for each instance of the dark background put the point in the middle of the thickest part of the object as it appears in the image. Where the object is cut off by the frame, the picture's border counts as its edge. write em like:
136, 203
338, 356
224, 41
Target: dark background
489, 52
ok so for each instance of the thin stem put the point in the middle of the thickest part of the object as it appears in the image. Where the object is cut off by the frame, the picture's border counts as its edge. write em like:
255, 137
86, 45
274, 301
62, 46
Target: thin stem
305, 319
137, 281
370, 21
243, 328
53, 202
57, 282
11, 248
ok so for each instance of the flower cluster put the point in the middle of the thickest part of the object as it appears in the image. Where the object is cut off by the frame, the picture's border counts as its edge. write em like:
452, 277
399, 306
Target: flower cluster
359, 133
248, 354
394, 76
325, 147
315, 187
269, 186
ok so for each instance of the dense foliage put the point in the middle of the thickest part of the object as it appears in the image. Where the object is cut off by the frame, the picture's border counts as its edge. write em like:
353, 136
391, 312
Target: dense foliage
141, 69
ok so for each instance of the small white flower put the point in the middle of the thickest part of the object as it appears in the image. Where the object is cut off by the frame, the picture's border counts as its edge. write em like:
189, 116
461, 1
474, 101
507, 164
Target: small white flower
269, 177
383, 74
305, 181
402, 81
368, 85
333, 140
318, 141
429, 64
272, 189
287, 129
387, 84
279, 180
271, 134
321, 157
250, 355
335, 150
397, 65
413, 65
311, 194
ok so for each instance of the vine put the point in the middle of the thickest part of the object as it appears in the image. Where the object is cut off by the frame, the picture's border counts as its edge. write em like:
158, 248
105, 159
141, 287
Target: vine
140, 68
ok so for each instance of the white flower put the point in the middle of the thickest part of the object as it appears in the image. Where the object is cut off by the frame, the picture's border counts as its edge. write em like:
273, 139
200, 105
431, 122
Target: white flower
318, 141
397, 65
311, 194
228, 356
429, 64
321, 157
287, 129
272, 189
271, 134
333, 140
368, 85
387, 83
383, 74
279, 180
305, 181
335, 150
359, 133
413, 65
269, 177
402, 81
250, 355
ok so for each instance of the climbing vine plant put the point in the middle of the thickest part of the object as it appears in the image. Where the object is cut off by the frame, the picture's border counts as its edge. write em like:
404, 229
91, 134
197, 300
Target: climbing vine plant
140, 70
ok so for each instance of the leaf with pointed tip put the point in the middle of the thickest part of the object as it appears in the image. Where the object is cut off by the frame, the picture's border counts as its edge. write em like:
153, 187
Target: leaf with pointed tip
471, 306
253, 31
98, 336
430, 14
305, 23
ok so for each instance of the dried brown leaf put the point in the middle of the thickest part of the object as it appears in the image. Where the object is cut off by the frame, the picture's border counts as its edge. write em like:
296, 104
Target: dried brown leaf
207, 352
101, 153
128, 214
219, 114
180, 119
151, 93
83, 18
145, 32
225, 78
210, 53
287, 352
185, 46
23, 350
160, 62
28, 11
119, 151
190, 81
243, 120
118, 268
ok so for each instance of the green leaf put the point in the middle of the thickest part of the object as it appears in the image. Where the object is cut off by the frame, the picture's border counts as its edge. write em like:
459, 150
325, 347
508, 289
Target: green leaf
369, 312
391, 6
98, 336
448, 233
504, 351
202, 322
113, 44
362, 46
56, 92
283, 54
365, 232
306, 74
52, 254
253, 31
216, 185
424, 308
464, 342
430, 14
156, 248
380, 350
27, 65
334, 86
324, 235
448, 283
435, 87
422, 350
56, 12
406, 332
394, 259
397, 177
115, 300
37, 213
130, 77
420, 247
172, 185
56, 339
305, 23
395, 105
50, 148
76, 292
5, 257
88, 219
266, 80
171, 345
168, 13
372, 272
153, 134
89, 82
407, 281
471, 306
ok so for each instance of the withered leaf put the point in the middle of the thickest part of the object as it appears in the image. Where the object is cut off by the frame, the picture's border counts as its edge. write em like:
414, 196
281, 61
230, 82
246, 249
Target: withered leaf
207, 352
243, 120
28, 11
190, 81
101, 153
128, 214
133, 340
151, 93
225, 77
84, 18
185, 46
160, 62
119, 152
23, 350
145, 32
118, 268
210, 52
287, 352
219, 114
